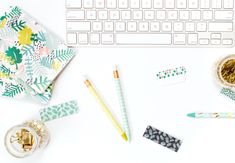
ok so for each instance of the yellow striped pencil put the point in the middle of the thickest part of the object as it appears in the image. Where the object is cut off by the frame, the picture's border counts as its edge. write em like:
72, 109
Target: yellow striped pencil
105, 109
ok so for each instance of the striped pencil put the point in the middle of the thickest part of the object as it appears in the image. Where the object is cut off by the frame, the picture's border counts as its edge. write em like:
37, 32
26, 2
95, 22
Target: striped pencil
122, 103
211, 115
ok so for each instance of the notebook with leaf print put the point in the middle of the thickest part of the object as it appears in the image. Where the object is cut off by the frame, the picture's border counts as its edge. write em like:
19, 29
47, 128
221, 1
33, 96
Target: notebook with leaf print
31, 56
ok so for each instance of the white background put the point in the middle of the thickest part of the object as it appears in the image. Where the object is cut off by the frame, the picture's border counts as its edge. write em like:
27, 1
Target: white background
90, 137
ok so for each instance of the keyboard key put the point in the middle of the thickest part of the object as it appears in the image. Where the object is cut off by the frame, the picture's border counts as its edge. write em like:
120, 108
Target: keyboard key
82, 39
227, 41
155, 26
123, 4
135, 4
179, 39
107, 39
78, 26
88, 4
181, 4
120, 26
195, 15
207, 15
161, 15
204, 41
220, 27
166, 26
143, 39
178, 26
172, 15
157, 4
224, 15
126, 15
131, 27
193, 4
114, 14
95, 39
108, 26
215, 42
143, 26
205, 4
201, 27
137, 15
146, 4
103, 14
228, 4
216, 4
111, 3
79, 15
97, 26
149, 14
189, 27
91, 15
216, 36
192, 39
73, 3
184, 15
72, 38
170, 4
99, 4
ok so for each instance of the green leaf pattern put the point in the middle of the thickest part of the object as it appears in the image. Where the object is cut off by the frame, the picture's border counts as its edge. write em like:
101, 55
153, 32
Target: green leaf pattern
36, 62
41, 82
58, 111
14, 54
13, 90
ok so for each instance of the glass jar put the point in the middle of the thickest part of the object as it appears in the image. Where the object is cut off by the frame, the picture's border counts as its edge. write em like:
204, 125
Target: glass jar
225, 71
23, 140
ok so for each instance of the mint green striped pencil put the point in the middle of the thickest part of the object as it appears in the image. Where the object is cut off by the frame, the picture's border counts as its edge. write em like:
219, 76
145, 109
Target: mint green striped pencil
122, 103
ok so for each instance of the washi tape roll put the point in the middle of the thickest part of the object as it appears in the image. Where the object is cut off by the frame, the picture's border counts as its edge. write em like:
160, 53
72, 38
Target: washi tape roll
58, 111
162, 138
228, 92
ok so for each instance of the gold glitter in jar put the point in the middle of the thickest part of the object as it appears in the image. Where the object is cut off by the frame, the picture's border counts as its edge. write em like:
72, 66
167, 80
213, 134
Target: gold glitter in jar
228, 71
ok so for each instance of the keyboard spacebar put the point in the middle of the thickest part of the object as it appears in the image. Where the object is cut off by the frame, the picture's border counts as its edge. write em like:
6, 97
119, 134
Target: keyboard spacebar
143, 39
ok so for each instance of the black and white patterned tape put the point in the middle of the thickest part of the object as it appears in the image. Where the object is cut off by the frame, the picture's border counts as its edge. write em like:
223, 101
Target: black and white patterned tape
162, 138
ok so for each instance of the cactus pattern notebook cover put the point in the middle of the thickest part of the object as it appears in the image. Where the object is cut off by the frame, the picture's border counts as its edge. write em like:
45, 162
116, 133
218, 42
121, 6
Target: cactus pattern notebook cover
31, 57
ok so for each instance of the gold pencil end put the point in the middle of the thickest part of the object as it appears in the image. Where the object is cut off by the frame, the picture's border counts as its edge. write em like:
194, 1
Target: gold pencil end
124, 137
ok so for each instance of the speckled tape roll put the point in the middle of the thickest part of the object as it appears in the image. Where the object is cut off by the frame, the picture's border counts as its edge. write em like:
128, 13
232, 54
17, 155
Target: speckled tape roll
171, 76
162, 138
58, 111
228, 92
171, 72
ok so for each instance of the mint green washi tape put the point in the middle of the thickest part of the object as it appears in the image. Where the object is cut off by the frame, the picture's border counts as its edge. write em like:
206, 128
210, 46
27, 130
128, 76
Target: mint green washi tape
58, 111
228, 92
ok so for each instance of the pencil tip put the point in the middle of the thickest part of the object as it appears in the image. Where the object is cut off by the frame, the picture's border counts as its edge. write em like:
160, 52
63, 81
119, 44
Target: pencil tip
192, 115
85, 77
124, 137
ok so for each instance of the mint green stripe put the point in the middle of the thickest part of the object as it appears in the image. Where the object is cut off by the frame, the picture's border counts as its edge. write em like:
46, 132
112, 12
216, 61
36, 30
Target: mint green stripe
123, 108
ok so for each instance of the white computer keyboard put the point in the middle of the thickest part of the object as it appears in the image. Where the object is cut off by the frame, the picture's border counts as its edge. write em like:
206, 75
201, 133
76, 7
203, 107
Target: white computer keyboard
154, 23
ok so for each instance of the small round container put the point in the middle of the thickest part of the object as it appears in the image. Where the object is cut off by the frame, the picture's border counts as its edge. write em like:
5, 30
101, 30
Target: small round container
23, 140
225, 71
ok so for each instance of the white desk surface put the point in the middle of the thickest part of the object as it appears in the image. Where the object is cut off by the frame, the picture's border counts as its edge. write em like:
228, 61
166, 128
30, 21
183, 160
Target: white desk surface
89, 137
